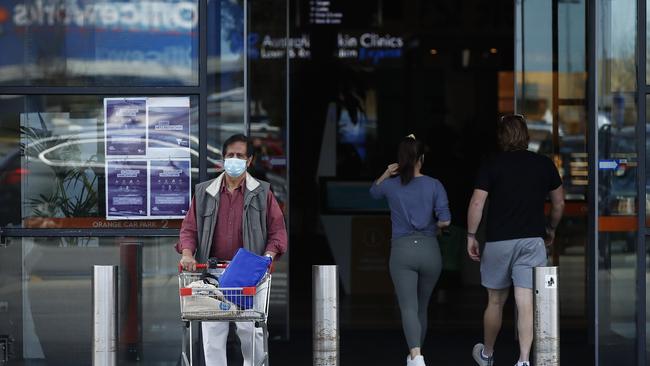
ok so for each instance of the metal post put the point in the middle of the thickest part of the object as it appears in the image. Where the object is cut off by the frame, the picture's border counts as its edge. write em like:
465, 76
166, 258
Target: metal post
547, 319
130, 310
325, 315
104, 315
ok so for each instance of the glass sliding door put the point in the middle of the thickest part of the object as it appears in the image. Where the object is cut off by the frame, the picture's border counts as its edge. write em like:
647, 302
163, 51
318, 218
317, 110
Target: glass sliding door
553, 52
620, 140
550, 84
268, 126
645, 125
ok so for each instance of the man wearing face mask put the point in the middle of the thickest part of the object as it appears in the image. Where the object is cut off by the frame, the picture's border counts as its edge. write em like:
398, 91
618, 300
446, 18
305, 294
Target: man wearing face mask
234, 211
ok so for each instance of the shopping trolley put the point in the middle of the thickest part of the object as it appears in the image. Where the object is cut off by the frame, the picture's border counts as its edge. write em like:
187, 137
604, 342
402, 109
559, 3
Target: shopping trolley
203, 302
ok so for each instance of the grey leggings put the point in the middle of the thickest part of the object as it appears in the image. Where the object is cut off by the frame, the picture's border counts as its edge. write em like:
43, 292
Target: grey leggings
415, 266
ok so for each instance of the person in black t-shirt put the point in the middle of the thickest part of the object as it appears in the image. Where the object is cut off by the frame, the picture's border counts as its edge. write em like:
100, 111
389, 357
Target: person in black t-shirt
517, 182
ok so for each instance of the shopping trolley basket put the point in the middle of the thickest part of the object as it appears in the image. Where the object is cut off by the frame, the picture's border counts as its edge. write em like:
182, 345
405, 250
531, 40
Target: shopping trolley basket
201, 299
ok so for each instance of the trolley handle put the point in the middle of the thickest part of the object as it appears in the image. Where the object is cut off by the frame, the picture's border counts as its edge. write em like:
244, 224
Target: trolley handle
199, 266
222, 265
202, 266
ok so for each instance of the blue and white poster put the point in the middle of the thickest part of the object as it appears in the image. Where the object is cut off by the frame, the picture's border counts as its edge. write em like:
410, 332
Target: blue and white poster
168, 122
148, 165
125, 128
126, 189
170, 191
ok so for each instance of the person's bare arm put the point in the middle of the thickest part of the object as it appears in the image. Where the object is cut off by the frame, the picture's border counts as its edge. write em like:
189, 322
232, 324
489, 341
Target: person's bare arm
557, 208
441, 206
391, 170
376, 190
474, 215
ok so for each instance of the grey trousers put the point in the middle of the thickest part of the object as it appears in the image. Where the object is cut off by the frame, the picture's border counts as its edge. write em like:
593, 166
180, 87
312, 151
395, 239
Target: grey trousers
415, 266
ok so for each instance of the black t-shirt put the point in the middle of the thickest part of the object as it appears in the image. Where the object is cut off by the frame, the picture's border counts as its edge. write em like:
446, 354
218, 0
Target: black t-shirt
518, 183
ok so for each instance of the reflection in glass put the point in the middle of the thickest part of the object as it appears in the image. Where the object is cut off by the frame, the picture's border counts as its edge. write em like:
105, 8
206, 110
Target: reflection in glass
571, 49
536, 83
553, 102
617, 189
647, 142
268, 94
226, 86
268, 124
647, 58
99, 42
647, 292
647, 199
253, 102
52, 160
53, 282
573, 154
556, 113
616, 297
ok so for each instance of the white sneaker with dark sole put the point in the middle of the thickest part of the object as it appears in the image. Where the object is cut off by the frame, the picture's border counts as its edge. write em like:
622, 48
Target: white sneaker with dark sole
417, 361
477, 354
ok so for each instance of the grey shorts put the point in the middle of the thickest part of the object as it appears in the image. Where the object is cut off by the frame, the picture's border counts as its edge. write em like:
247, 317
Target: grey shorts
508, 262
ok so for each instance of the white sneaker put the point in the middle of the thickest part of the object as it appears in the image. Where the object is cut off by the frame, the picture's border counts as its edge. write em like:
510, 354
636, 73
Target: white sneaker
417, 361
477, 354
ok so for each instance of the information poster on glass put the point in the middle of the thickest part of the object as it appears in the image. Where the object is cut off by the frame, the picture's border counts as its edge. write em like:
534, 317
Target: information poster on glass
126, 189
148, 167
125, 129
170, 188
168, 127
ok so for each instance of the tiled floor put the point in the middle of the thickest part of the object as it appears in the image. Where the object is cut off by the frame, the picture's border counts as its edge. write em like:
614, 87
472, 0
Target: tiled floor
443, 348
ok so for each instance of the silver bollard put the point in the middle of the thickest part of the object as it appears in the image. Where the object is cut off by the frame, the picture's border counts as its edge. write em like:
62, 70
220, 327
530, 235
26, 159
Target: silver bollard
547, 316
105, 315
325, 314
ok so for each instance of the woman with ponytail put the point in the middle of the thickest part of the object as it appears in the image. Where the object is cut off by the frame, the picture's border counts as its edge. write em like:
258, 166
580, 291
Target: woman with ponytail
418, 208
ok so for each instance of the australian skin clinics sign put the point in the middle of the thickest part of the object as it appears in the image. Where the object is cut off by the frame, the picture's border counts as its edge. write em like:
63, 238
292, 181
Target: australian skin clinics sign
370, 46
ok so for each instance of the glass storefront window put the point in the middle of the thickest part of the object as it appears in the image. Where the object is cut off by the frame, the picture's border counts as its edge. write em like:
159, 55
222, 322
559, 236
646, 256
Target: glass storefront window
617, 297
226, 76
551, 83
55, 152
247, 94
647, 55
647, 292
571, 48
53, 160
617, 176
647, 200
261, 113
99, 42
647, 177
47, 284
537, 56
269, 118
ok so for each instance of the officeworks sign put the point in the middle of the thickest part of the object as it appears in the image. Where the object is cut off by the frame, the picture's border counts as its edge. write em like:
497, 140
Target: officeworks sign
94, 38
130, 15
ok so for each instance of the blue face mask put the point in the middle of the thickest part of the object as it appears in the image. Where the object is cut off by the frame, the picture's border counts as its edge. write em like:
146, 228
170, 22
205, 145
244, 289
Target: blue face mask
235, 167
